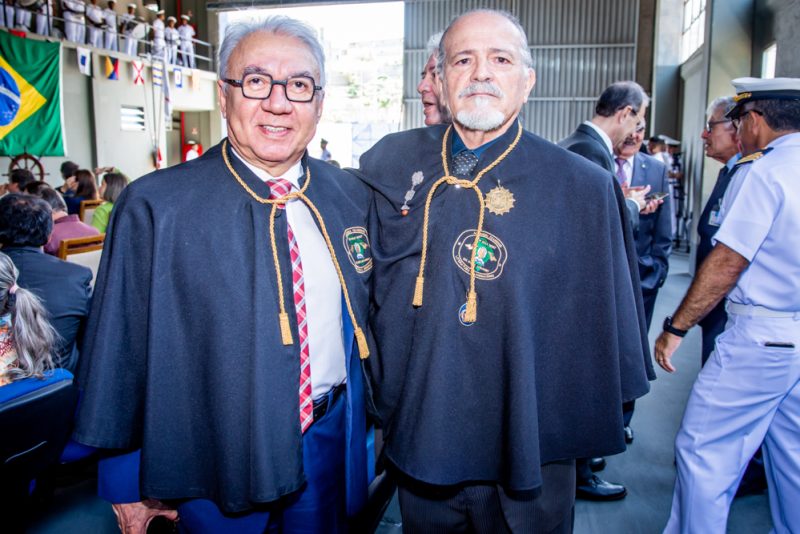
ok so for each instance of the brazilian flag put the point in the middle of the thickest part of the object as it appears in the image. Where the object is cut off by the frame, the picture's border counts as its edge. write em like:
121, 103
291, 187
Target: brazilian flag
30, 97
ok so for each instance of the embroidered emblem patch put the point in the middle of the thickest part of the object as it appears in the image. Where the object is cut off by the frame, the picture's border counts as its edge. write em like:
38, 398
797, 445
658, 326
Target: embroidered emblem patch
356, 243
490, 258
499, 200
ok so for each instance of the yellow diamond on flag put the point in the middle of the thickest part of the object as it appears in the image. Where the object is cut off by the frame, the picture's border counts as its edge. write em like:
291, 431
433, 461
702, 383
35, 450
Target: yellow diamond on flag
30, 99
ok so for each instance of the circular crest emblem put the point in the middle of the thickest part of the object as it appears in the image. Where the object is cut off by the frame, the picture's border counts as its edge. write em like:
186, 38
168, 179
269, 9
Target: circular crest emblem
356, 243
462, 311
490, 257
499, 200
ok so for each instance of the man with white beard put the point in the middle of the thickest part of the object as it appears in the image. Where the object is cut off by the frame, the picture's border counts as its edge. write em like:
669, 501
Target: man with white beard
499, 260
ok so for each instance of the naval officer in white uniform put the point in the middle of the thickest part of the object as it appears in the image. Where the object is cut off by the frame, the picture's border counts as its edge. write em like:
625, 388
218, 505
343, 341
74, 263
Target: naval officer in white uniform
749, 390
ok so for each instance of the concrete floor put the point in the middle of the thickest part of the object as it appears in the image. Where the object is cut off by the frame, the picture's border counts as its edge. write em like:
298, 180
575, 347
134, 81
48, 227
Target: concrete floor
646, 468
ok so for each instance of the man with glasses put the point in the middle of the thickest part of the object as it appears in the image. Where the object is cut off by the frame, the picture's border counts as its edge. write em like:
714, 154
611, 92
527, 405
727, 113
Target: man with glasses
226, 328
619, 111
722, 144
749, 389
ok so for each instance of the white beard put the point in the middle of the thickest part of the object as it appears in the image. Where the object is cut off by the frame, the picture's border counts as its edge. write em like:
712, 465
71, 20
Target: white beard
482, 117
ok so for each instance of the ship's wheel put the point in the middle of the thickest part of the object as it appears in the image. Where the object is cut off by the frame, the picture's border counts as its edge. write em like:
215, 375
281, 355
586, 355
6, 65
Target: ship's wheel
28, 162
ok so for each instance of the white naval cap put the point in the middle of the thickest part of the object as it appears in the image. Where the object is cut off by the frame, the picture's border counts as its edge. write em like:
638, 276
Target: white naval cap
160, 12
186, 17
749, 89
171, 18
133, 6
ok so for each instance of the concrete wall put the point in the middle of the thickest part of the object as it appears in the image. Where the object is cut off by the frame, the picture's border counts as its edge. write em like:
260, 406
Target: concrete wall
786, 22
664, 116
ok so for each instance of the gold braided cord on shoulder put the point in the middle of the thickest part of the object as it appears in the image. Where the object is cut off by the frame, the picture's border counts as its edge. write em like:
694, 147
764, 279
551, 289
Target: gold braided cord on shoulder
471, 313
283, 317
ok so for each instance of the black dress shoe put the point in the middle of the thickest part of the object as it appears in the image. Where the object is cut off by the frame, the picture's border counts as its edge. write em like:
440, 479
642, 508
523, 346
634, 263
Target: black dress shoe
597, 464
628, 435
597, 489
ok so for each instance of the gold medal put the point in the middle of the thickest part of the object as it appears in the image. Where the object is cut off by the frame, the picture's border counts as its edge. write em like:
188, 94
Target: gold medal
499, 200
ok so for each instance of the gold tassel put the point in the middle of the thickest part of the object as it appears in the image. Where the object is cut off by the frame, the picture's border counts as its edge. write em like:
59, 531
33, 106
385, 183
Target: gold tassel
361, 339
286, 330
418, 291
471, 313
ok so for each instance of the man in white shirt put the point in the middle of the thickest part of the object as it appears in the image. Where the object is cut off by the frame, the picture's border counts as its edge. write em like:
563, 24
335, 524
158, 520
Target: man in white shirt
110, 17
249, 410
186, 33
128, 25
749, 389
73, 11
159, 41
95, 22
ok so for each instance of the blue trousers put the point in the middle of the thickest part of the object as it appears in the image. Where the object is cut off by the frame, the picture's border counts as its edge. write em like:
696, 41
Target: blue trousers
318, 508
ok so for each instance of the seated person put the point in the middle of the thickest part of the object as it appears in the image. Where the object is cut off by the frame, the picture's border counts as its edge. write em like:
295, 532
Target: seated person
65, 226
112, 186
83, 187
18, 179
68, 169
25, 225
27, 340
33, 188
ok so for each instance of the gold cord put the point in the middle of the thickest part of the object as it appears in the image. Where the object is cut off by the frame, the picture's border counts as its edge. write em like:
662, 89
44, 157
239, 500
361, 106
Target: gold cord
471, 313
283, 318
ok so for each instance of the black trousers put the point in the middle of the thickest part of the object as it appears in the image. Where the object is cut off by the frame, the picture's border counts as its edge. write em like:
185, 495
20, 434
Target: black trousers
487, 508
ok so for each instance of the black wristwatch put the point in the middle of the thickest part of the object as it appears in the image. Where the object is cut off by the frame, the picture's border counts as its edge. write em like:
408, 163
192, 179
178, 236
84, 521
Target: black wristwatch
671, 329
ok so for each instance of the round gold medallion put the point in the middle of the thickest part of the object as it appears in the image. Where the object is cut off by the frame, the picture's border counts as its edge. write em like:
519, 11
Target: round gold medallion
499, 200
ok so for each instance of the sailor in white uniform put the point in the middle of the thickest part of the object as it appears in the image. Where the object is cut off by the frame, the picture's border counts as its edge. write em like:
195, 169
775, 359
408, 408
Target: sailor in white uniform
172, 37
110, 17
159, 42
44, 18
127, 24
186, 32
749, 390
73, 12
95, 23
23, 17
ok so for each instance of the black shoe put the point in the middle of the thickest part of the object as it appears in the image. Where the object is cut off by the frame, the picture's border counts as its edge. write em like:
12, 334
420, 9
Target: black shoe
597, 464
597, 489
628, 435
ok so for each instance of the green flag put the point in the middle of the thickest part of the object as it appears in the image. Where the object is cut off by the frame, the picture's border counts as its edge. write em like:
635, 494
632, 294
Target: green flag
30, 97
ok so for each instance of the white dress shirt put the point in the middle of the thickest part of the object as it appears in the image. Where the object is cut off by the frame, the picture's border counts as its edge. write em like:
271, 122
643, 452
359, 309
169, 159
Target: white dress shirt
322, 288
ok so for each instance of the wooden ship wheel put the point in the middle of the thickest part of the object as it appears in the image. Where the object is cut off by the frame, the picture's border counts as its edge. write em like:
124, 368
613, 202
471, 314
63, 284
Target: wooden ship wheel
28, 162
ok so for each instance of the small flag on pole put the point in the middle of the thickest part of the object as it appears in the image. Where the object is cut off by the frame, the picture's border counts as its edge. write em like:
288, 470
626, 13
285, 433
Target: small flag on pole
178, 77
158, 73
138, 77
112, 68
85, 61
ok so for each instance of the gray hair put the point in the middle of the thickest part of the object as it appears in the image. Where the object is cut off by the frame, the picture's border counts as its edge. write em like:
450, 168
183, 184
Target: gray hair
433, 44
618, 96
277, 25
524, 49
34, 337
723, 103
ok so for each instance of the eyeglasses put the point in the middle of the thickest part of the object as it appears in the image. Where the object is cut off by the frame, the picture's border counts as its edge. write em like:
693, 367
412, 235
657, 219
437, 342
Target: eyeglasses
259, 87
710, 124
738, 120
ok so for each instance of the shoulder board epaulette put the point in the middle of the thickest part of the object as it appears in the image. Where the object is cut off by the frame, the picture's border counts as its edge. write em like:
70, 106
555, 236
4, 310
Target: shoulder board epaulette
753, 157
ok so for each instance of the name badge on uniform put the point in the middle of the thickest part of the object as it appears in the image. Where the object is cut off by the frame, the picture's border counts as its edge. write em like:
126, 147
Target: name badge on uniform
714, 218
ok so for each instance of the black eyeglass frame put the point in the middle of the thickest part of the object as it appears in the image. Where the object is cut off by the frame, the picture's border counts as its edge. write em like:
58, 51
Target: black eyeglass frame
273, 83
738, 120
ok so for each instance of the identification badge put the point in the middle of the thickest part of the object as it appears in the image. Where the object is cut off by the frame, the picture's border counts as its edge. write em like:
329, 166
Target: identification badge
714, 218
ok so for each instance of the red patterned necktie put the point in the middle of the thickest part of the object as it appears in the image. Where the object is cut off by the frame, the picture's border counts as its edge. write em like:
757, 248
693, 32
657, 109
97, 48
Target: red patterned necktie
279, 188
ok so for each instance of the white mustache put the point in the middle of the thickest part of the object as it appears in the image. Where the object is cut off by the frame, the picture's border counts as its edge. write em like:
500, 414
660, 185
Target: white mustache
481, 87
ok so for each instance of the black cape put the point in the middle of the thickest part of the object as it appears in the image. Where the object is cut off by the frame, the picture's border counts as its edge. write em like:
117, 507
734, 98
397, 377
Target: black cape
183, 355
557, 346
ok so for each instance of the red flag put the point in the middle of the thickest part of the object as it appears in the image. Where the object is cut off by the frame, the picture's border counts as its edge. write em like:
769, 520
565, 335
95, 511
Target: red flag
138, 67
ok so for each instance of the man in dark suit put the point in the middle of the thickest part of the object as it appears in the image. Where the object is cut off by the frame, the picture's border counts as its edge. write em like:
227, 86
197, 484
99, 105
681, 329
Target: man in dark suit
722, 144
654, 235
619, 111
25, 226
